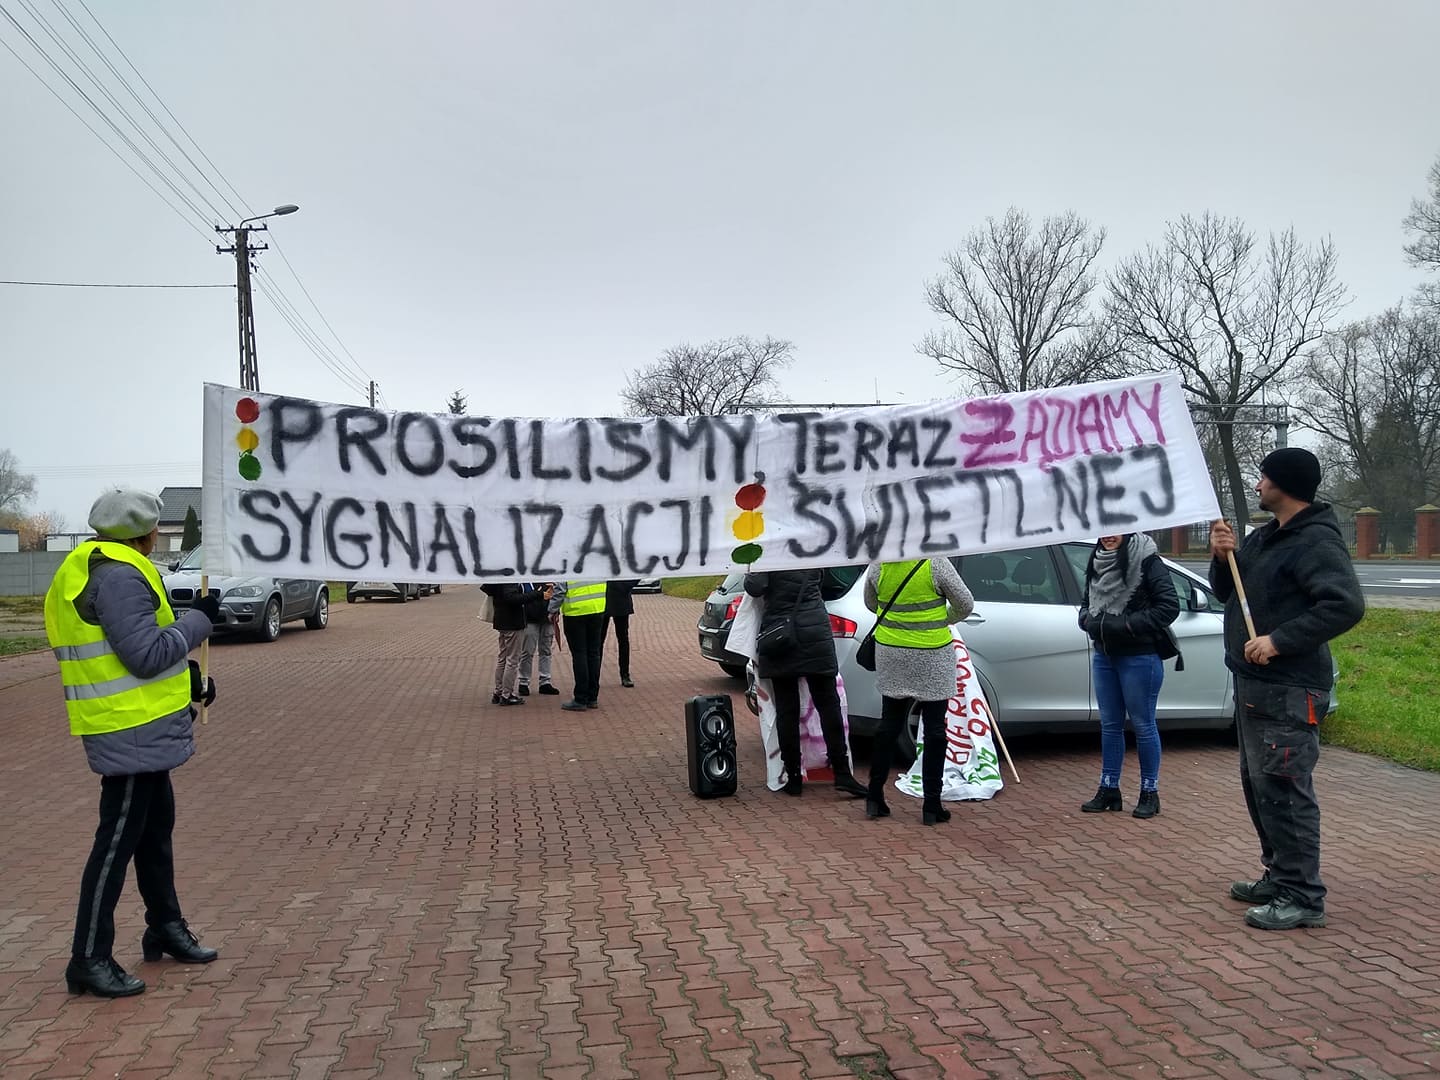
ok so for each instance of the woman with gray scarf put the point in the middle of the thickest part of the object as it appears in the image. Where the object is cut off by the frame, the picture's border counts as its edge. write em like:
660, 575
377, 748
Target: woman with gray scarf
1127, 610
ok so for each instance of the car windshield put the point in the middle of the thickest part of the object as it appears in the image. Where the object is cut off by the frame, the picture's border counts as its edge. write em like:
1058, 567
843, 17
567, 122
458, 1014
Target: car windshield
191, 561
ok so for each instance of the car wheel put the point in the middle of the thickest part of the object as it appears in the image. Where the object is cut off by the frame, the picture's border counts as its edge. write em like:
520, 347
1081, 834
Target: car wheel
321, 617
349, 597
270, 624
735, 671
437, 590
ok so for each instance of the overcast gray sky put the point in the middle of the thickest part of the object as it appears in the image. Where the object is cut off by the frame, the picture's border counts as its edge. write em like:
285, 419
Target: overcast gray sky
526, 201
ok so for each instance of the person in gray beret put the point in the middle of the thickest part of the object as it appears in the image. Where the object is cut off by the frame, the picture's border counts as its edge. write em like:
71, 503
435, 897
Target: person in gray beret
128, 692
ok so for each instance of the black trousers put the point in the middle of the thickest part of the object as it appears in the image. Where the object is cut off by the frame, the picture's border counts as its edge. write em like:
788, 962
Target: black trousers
622, 640
137, 816
893, 713
826, 697
1279, 729
585, 634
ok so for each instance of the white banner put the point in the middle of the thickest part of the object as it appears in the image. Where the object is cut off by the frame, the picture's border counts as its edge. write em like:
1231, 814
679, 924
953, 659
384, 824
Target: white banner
972, 771
294, 487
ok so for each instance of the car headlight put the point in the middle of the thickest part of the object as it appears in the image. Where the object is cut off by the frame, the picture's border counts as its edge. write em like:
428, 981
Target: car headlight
244, 591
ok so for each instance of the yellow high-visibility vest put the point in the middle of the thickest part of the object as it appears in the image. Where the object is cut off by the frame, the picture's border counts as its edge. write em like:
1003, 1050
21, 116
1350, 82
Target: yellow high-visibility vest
583, 599
101, 694
917, 619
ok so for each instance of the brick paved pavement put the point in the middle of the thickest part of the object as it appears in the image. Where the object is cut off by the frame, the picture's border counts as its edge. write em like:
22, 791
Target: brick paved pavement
406, 881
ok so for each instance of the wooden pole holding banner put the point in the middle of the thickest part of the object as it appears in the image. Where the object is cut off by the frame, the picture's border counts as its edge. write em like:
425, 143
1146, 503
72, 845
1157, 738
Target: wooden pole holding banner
1240, 592
1004, 749
204, 656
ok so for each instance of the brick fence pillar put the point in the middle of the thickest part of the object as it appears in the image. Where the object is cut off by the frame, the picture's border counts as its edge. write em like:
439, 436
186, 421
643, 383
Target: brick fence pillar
1367, 532
1178, 538
1427, 531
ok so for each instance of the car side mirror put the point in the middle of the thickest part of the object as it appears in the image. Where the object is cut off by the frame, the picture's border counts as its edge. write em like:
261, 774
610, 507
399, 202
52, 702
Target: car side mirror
174, 566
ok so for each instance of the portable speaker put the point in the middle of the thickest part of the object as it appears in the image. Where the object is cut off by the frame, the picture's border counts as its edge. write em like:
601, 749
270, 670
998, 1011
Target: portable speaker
710, 742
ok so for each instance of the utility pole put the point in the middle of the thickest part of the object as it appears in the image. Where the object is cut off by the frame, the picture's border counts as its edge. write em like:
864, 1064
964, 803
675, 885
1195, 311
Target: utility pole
244, 302
241, 248
372, 393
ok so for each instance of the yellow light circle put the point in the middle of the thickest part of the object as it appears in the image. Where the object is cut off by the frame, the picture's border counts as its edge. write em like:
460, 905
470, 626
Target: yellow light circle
247, 440
748, 525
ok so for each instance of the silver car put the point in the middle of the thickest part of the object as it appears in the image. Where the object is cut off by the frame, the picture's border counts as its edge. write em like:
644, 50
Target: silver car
1029, 653
251, 605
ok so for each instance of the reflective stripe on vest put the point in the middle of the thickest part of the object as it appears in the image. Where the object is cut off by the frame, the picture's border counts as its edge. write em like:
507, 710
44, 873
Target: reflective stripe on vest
583, 599
101, 694
917, 619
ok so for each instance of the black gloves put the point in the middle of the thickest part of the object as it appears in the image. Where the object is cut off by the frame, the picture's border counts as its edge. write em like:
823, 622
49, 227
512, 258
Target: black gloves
204, 693
210, 605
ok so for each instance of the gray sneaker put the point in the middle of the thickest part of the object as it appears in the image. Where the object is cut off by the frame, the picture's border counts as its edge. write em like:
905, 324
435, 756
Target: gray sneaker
1283, 913
1260, 891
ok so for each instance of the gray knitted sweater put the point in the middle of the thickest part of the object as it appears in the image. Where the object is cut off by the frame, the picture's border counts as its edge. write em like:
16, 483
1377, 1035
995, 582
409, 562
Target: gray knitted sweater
923, 674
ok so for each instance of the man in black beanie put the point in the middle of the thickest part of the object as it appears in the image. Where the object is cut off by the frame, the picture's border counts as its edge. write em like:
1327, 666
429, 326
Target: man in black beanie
1302, 591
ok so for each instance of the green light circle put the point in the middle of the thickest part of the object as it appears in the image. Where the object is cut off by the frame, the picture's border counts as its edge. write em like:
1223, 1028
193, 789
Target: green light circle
746, 554
249, 466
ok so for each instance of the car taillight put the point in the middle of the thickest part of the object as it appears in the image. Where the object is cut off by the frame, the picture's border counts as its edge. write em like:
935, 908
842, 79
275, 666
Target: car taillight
842, 627
732, 607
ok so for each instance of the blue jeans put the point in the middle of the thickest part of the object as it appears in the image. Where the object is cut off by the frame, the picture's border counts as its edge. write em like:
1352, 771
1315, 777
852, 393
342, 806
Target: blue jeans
1128, 686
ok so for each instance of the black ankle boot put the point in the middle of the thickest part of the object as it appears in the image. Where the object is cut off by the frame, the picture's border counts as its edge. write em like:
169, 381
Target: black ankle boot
1148, 805
876, 808
1106, 798
176, 939
102, 977
933, 813
845, 781
793, 785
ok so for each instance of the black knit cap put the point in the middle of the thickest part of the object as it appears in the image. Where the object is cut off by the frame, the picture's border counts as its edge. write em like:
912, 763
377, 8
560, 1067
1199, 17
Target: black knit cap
1294, 470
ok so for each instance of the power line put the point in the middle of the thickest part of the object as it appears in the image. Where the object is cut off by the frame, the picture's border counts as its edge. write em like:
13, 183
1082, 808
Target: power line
354, 364
112, 285
110, 123
239, 213
58, 97
347, 368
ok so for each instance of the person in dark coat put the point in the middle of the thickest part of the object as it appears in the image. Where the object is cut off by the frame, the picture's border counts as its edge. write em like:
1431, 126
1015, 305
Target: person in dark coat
795, 613
1301, 592
619, 606
1127, 608
509, 623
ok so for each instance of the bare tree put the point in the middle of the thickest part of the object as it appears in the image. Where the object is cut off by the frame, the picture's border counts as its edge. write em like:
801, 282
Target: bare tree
1423, 222
16, 488
1372, 391
1017, 301
457, 403
726, 376
1229, 315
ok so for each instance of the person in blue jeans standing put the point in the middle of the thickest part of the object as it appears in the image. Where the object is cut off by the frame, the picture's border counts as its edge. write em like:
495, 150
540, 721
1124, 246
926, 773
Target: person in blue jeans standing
1127, 609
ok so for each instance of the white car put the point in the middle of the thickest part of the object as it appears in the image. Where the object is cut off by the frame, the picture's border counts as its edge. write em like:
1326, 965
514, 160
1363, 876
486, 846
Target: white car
251, 605
1029, 652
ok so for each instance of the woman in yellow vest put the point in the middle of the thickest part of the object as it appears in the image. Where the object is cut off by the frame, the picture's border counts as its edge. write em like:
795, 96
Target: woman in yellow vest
914, 663
128, 689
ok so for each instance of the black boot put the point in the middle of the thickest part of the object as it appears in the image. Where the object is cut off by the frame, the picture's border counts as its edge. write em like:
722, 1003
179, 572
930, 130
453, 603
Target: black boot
1106, 798
176, 939
102, 977
932, 812
1148, 805
876, 808
793, 783
845, 781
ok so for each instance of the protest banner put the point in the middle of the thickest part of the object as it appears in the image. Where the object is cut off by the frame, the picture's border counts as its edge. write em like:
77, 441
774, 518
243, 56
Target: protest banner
295, 487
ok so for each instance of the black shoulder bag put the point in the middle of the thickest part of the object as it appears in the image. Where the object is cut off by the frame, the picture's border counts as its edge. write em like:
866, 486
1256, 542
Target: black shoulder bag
865, 654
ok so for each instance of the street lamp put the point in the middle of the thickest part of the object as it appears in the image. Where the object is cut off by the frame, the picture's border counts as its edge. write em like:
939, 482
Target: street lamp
241, 248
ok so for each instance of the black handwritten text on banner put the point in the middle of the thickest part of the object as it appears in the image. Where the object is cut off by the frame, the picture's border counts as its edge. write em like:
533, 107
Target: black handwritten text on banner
299, 487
